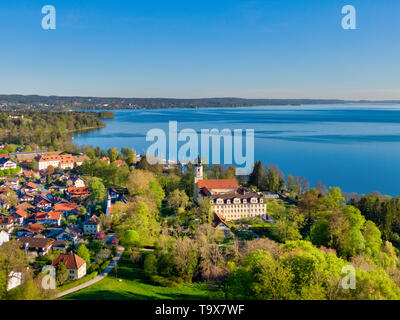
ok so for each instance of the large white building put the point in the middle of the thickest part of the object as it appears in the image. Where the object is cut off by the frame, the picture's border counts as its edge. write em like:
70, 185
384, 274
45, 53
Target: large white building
227, 198
65, 161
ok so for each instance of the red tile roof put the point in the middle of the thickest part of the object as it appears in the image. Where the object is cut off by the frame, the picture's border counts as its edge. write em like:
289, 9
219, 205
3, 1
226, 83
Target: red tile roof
65, 206
36, 227
71, 261
218, 184
78, 190
51, 215
21, 213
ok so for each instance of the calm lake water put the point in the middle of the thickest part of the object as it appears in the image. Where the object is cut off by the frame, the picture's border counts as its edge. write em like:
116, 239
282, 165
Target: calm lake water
353, 146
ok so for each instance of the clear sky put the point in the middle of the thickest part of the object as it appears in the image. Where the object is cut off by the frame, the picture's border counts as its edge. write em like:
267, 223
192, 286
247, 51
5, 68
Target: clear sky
201, 48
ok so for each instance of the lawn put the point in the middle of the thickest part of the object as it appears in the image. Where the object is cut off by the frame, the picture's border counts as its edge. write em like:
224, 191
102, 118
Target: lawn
134, 286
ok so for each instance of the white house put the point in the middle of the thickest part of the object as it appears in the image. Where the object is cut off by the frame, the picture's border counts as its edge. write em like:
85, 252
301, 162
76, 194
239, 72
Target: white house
7, 163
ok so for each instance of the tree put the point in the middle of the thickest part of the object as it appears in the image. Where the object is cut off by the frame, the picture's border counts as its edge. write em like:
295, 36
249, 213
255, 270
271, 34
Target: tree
334, 197
113, 154
258, 175
272, 180
61, 273
150, 265
185, 258
144, 183
131, 239
178, 199
290, 183
10, 198
84, 253
373, 240
97, 190
263, 277
129, 155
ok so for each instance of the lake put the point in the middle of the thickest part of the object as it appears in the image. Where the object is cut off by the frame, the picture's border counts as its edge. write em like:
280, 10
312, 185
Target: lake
353, 146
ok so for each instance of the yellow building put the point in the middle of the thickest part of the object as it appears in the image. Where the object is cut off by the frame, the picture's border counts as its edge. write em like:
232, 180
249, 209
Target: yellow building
227, 198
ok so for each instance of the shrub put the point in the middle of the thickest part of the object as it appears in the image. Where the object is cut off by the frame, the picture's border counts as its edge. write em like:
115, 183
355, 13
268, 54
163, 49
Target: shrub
150, 265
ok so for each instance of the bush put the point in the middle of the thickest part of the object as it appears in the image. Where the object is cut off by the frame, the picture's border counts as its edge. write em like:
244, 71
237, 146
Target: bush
150, 265
105, 265
94, 268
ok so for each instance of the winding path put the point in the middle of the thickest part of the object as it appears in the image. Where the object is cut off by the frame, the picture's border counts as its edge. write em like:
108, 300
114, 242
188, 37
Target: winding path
101, 276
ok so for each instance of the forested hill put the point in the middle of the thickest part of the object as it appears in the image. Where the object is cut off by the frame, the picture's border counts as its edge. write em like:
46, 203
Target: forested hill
52, 103
49, 130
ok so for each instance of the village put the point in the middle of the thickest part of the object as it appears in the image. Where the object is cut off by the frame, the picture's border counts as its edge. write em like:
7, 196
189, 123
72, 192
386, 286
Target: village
45, 209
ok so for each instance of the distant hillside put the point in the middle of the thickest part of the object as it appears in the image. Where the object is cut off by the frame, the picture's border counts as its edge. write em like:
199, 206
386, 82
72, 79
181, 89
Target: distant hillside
56, 103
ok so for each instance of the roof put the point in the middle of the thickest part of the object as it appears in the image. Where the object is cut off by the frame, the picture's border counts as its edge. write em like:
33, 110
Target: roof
71, 261
25, 206
5, 160
218, 219
29, 173
36, 227
6, 220
51, 215
36, 243
93, 220
233, 195
21, 213
59, 243
65, 158
30, 185
65, 206
78, 190
120, 162
218, 184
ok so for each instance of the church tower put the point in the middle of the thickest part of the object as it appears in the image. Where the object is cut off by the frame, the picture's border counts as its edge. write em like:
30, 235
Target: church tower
198, 175
108, 209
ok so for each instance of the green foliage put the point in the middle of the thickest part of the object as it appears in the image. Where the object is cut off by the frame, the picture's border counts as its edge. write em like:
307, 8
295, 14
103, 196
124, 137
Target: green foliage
84, 253
50, 130
97, 190
113, 154
61, 273
131, 239
150, 265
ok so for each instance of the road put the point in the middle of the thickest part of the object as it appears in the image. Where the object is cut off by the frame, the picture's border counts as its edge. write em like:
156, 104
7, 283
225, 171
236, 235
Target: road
101, 276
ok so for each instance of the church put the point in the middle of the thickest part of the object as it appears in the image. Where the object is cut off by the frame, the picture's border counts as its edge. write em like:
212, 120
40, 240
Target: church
228, 200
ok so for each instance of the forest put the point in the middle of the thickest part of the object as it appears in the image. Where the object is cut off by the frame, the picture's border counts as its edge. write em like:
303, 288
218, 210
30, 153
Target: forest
50, 130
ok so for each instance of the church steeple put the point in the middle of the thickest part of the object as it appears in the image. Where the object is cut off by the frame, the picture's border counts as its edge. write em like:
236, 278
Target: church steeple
198, 175
198, 169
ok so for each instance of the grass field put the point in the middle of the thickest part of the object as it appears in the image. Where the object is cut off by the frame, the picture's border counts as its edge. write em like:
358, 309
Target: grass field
134, 286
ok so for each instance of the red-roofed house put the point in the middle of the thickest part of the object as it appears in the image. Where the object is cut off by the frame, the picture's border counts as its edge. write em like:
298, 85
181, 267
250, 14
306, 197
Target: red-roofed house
75, 264
29, 187
20, 216
33, 229
78, 192
51, 218
66, 208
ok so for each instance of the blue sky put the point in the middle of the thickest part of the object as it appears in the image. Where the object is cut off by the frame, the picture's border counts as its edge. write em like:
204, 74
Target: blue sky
253, 49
